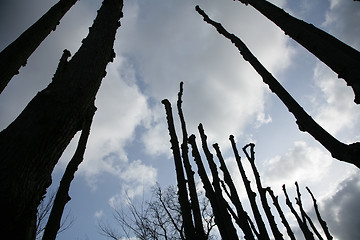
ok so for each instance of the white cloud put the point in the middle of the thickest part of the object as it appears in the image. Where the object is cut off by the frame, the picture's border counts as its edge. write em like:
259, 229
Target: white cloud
99, 214
302, 163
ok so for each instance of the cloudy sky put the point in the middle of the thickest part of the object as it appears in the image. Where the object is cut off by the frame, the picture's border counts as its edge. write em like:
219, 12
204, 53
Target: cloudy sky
162, 43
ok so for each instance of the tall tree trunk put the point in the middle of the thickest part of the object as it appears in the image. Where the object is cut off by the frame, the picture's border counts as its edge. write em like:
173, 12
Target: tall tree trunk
195, 206
32, 145
225, 217
209, 192
181, 181
321, 221
62, 196
341, 58
281, 214
262, 192
304, 228
16, 54
234, 197
344, 152
251, 195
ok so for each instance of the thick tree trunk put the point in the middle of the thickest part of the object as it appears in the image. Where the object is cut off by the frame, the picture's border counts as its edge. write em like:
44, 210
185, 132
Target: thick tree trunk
32, 145
16, 54
341, 58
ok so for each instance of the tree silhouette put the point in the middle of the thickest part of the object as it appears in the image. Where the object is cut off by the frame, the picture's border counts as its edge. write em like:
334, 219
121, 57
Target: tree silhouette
344, 152
224, 215
33, 143
16, 54
341, 58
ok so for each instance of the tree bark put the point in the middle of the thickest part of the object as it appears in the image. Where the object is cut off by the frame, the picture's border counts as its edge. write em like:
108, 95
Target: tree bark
344, 152
16, 54
341, 58
32, 145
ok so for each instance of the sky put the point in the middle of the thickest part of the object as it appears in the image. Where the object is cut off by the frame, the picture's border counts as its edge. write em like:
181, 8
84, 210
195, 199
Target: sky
161, 43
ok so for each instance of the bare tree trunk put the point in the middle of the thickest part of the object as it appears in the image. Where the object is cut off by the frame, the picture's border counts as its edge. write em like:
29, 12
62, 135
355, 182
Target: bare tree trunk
209, 192
62, 195
343, 152
251, 195
262, 192
281, 214
341, 58
16, 54
32, 145
322, 222
195, 206
225, 216
234, 197
304, 228
182, 189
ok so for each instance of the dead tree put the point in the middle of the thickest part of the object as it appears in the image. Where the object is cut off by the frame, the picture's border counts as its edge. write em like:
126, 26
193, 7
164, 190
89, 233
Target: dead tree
195, 206
340, 57
62, 195
304, 228
217, 208
262, 192
242, 216
33, 143
281, 214
16, 54
181, 181
251, 194
321, 221
344, 152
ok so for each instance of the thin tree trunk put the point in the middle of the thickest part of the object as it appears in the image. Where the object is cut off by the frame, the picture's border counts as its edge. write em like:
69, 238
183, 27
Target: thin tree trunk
341, 58
32, 144
209, 191
281, 214
225, 217
62, 196
181, 181
16, 54
304, 228
251, 195
262, 192
242, 215
343, 152
195, 206
322, 222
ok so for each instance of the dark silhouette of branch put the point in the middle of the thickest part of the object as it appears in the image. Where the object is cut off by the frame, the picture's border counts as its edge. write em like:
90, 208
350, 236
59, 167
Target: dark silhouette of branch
251, 195
343, 152
62, 196
16, 54
321, 221
182, 189
32, 144
305, 217
281, 214
209, 191
262, 191
242, 216
340, 57
304, 228
199, 230
225, 217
